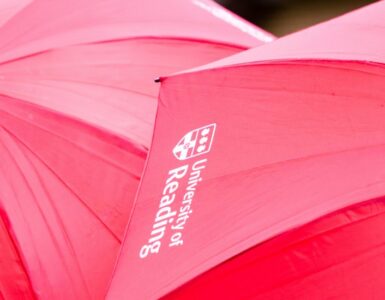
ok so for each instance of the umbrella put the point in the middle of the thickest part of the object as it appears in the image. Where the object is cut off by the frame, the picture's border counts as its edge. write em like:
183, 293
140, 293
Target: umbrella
266, 175
8, 8
77, 107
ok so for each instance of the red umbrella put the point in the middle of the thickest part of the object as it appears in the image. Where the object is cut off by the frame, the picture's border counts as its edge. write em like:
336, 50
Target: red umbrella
266, 175
77, 107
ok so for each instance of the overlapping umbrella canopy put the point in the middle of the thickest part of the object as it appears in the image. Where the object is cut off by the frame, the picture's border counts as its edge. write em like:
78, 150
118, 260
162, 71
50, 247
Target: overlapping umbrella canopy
285, 140
77, 109
265, 176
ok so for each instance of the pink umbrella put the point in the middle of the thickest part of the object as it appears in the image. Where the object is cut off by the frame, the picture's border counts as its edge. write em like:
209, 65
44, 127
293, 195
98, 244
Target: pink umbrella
77, 107
8, 8
266, 175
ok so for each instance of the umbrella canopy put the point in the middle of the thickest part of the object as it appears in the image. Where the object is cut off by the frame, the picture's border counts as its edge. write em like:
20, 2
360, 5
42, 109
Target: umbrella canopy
77, 107
8, 8
251, 147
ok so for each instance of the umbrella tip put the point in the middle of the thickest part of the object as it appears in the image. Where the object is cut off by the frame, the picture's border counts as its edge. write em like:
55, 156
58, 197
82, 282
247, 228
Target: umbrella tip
157, 80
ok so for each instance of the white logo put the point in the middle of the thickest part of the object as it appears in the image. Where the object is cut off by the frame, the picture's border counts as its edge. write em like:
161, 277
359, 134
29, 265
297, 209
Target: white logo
195, 142
176, 201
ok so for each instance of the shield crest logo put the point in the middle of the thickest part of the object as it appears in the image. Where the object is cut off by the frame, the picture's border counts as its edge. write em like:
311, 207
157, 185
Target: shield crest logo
195, 143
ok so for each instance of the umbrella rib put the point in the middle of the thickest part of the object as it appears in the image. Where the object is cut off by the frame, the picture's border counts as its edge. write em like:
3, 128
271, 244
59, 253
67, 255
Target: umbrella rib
89, 209
96, 84
71, 142
116, 39
4, 220
58, 219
